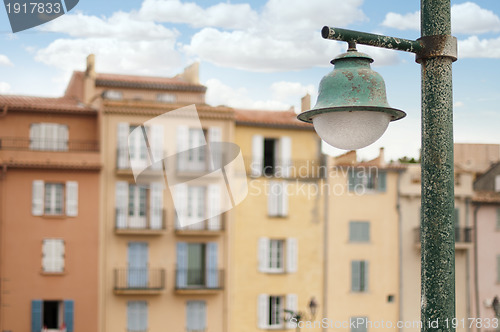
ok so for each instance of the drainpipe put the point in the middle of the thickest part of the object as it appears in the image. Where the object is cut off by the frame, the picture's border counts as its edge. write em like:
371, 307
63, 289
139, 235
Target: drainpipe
325, 250
467, 264
476, 281
400, 249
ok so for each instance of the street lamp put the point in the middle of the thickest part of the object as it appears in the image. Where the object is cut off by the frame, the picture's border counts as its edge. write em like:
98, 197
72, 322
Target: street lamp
435, 51
299, 316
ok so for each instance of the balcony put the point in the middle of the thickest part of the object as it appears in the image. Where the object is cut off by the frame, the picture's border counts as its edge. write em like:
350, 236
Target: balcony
131, 281
198, 281
47, 153
463, 238
136, 225
309, 169
204, 228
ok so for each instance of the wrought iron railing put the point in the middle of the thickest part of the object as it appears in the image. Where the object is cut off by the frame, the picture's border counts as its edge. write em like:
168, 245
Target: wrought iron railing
462, 235
130, 223
199, 279
139, 279
27, 144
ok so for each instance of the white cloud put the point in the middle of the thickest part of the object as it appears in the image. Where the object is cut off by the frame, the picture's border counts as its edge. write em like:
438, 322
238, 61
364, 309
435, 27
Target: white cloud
291, 91
473, 47
120, 25
4, 87
466, 18
223, 15
219, 93
112, 55
5, 61
459, 104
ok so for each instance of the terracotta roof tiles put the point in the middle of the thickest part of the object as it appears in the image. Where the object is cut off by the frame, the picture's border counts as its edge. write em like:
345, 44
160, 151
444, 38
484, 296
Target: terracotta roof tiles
30, 103
260, 118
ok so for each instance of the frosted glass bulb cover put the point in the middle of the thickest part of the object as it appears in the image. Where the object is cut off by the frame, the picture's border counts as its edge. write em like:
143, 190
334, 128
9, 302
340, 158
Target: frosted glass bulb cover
351, 130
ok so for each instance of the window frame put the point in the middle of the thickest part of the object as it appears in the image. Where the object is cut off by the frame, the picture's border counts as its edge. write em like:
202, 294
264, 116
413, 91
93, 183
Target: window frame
54, 199
355, 236
276, 263
275, 311
50, 258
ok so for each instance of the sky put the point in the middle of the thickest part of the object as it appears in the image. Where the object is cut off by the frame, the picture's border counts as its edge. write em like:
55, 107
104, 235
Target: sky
263, 55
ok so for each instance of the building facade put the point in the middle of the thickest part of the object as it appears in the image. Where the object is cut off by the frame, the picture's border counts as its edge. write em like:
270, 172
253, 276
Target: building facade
49, 213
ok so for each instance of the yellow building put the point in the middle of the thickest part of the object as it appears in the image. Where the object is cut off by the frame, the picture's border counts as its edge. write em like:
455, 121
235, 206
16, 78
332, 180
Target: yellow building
363, 243
276, 243
158, 271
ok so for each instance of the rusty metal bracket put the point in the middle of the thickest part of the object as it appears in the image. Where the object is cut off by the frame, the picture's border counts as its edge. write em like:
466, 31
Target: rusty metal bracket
437, 46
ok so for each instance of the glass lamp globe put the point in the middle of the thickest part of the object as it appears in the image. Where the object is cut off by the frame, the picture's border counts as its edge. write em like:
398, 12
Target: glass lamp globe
352, 109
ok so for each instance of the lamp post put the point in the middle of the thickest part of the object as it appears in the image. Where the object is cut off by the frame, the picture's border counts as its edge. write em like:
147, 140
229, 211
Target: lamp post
299, 316
435, 51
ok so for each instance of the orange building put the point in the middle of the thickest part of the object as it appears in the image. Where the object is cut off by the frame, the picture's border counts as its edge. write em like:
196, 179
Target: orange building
49, 210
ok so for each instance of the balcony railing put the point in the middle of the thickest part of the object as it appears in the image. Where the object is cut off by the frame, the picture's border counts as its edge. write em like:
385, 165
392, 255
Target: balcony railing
199, 279
26, 144
463, 235
292, 168
206, 227
140, 225
137, 280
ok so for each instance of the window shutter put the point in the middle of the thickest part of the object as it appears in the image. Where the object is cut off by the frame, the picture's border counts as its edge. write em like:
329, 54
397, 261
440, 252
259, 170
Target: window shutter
351, 179
35, 134
291, 304
192, 316
498, 218
257, 155
72, 198
181, 204
182, 147
211, 268
366, 275
121, 203
283, 206
498, 268
263, 254
37, 198
201, 316
214, 207
69, 308
286, 155
156, 205
46, 255
215, 137
58, 255
62, 138
382, 179
36, 315
122, 144
272, 198
132, 316
181, 280
292, 253
143, 315
156, 143
263, 311
355, 276
497, 183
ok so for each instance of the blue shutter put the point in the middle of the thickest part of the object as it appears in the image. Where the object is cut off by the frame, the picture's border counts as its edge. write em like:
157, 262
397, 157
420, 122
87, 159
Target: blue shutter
36, 315
181, 280
212, 272
355, 276
137, 264
351, 179
69, 309
382, 181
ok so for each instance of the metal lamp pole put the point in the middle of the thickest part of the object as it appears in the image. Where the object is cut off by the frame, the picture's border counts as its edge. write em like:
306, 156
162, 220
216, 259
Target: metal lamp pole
435, 51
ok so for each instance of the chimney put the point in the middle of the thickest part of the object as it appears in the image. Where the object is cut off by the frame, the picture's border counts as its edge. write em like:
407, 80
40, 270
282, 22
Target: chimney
381, 157
305, 103
89, 80
191, 73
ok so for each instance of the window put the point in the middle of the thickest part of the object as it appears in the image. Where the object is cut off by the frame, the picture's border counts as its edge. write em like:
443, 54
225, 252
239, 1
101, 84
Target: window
53, 255
52, 198
277, 202
52, 315
166, 97
359, 231
138, 262
271, 156
271, 310
198, 207
197, 265
48, 137
137, 316
367, 179
137, 148
359, 276
193, 150
275, 253
196, 202
498, 219
456, 220
113, 95
196, 316
497, 183
358, 324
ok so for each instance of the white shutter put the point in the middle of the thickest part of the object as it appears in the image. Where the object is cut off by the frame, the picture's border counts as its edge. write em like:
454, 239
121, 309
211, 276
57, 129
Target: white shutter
180, 204
121, 203
156, 205
35, 133
182, 147
286, 155
37, 198
272, 198
214, 207
263, 311
263, 254
215, 139
122, 144
257, 155
156, 143
283, 197
62, 137
47, 258
291, 304
497, 183
72, 198
58, 255
292, 253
